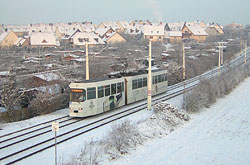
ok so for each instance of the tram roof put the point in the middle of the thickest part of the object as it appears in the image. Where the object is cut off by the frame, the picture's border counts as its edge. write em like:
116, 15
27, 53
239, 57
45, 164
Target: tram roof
117, 75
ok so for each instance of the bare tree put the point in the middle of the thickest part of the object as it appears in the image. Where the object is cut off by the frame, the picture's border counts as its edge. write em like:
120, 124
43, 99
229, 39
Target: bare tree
10, 95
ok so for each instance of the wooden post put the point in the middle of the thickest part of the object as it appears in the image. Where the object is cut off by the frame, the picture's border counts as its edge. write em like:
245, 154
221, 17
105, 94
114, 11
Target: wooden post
149, 77
87, 62
245, 51
219, 61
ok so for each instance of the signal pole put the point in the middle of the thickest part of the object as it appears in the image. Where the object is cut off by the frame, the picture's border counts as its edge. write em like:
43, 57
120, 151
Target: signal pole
222, 53
219, 61
240, 47
245, 51
149, 77
87, 61
184, 74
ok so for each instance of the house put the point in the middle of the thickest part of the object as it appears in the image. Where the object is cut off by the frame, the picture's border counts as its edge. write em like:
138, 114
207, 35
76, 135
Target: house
154, 33
197, 23
175, 36
7, 39
194, 32
39, 39
124, 25
110, 24
104, 32
176, 26
140, 22
21, 42
214, 29
46, 82
44, 79
114, 38
234, 26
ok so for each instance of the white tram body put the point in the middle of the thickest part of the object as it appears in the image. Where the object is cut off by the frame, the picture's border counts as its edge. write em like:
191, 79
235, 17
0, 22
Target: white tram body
90, 97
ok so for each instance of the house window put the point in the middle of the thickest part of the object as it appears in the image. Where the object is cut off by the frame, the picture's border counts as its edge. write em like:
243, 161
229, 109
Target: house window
157, 31
80, 39
159, 38
151, 37
86, 39
6, 41
151, 32
96, 39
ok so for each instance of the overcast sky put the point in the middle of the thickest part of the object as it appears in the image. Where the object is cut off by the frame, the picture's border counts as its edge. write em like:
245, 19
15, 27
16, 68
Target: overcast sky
46, 11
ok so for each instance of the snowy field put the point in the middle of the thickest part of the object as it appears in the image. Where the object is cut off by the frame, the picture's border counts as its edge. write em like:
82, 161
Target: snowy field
218, 135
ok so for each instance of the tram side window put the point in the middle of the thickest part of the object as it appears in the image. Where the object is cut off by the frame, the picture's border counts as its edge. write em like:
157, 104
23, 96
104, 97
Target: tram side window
113, 89
159, 79
166, 77
77, 95
100, 92
119, 87
107, 90
134, 84
155, 80
144, 82
122, 86
162, 77
91, 93
139, 83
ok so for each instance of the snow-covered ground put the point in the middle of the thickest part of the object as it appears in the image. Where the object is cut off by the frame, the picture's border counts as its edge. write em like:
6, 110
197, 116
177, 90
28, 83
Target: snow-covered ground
218, 135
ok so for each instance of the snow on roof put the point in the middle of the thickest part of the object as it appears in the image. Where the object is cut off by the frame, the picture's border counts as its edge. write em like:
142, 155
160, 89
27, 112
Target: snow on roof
88, 28
81, 38
48, 76
102, 31
176, 26
111, 24
71, 55
151, 30
42, 39
19, 41
197, 30
124, 24
175, 33
3, 35
4, 73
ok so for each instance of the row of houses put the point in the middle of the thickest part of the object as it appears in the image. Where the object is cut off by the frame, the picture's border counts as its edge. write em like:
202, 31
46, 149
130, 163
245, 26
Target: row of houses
78, 34
176, 32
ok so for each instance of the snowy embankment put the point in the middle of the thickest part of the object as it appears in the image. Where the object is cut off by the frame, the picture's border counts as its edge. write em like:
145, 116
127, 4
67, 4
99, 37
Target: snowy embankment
218, 135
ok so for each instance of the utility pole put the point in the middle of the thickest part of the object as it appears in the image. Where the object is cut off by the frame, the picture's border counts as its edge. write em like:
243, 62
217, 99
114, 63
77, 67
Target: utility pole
245, 51
222, 53
240, 47
184, 74
149, 77
219, 61
87, 61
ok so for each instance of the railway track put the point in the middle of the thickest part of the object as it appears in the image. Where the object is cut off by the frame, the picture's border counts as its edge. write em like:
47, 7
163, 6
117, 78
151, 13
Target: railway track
67, 135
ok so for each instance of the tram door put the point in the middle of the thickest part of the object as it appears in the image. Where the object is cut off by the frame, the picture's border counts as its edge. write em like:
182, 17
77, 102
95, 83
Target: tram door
112, 102
126, 91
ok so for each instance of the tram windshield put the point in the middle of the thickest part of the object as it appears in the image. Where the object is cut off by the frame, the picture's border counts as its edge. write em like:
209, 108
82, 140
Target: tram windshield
77, 95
